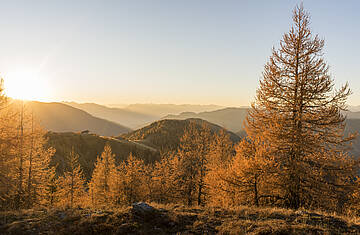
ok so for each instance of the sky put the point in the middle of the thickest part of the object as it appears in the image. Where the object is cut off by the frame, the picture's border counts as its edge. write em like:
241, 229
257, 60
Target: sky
161, 51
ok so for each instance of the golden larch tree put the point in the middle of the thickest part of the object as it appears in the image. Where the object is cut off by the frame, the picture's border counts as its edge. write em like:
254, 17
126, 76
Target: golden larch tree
220, 155
103, 184
298, 113
133, 180
164, 179
192, 162
71, 186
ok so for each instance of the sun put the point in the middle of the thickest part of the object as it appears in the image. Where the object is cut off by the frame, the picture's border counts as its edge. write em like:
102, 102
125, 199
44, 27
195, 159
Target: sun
26, 85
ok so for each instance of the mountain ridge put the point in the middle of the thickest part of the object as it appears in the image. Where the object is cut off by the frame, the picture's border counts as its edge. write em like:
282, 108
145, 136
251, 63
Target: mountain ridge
231, 118
59, 117
165, 134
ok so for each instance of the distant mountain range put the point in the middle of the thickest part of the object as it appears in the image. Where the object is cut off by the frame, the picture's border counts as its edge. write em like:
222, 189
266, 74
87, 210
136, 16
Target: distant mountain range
160, 110
231, 119
126, 117
138, 115
60, 117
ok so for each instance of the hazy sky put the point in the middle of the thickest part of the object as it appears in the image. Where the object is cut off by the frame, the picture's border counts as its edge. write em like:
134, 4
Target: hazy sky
209, 52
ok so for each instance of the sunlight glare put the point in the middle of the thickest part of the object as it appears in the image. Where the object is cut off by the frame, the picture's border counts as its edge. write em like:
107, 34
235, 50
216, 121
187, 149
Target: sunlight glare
26, 85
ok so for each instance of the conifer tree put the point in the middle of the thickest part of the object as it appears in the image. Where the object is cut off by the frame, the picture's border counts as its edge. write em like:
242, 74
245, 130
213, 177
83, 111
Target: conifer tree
103, 184
219, 158
298, 113
48, 189
164, 180
71, 189
248, 178
36, 162
133, 180
193, 157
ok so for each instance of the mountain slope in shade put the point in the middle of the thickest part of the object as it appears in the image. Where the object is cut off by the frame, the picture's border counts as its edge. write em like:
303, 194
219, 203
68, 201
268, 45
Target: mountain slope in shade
229, 118
89, 146
353, 126
59, 117
166, 134
352, 115
125, 117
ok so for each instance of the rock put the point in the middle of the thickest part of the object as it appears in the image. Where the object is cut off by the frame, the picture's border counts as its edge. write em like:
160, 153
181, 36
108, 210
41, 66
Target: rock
61, 215
143, 210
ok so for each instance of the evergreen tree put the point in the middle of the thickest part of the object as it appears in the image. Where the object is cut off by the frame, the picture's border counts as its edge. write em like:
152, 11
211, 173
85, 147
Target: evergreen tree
103, 184
192, 162
133, 180
298, 113
71, 189
164, 180
219, 158
48, 189
249, 176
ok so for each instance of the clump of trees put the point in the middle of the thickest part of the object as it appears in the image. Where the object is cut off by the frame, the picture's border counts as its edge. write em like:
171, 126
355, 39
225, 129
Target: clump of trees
24, 162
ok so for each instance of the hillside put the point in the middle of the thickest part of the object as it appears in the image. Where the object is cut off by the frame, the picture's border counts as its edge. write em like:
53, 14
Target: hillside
89, 146
59, 117
132, 119
352, 126
176, 219
352, 115
166, 134
229, 118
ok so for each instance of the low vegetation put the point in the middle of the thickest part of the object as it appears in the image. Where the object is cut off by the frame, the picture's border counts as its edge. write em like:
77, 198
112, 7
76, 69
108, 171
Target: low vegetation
176, 219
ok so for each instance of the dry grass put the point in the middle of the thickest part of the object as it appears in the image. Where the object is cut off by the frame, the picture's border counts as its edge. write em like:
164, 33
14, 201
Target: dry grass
177, 219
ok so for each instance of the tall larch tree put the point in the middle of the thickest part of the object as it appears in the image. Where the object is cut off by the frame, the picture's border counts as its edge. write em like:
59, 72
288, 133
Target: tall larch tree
103, 184
193, 157
71, 186
247, 179
37, 162
220, 155
163, 179
298, 113
132, 181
